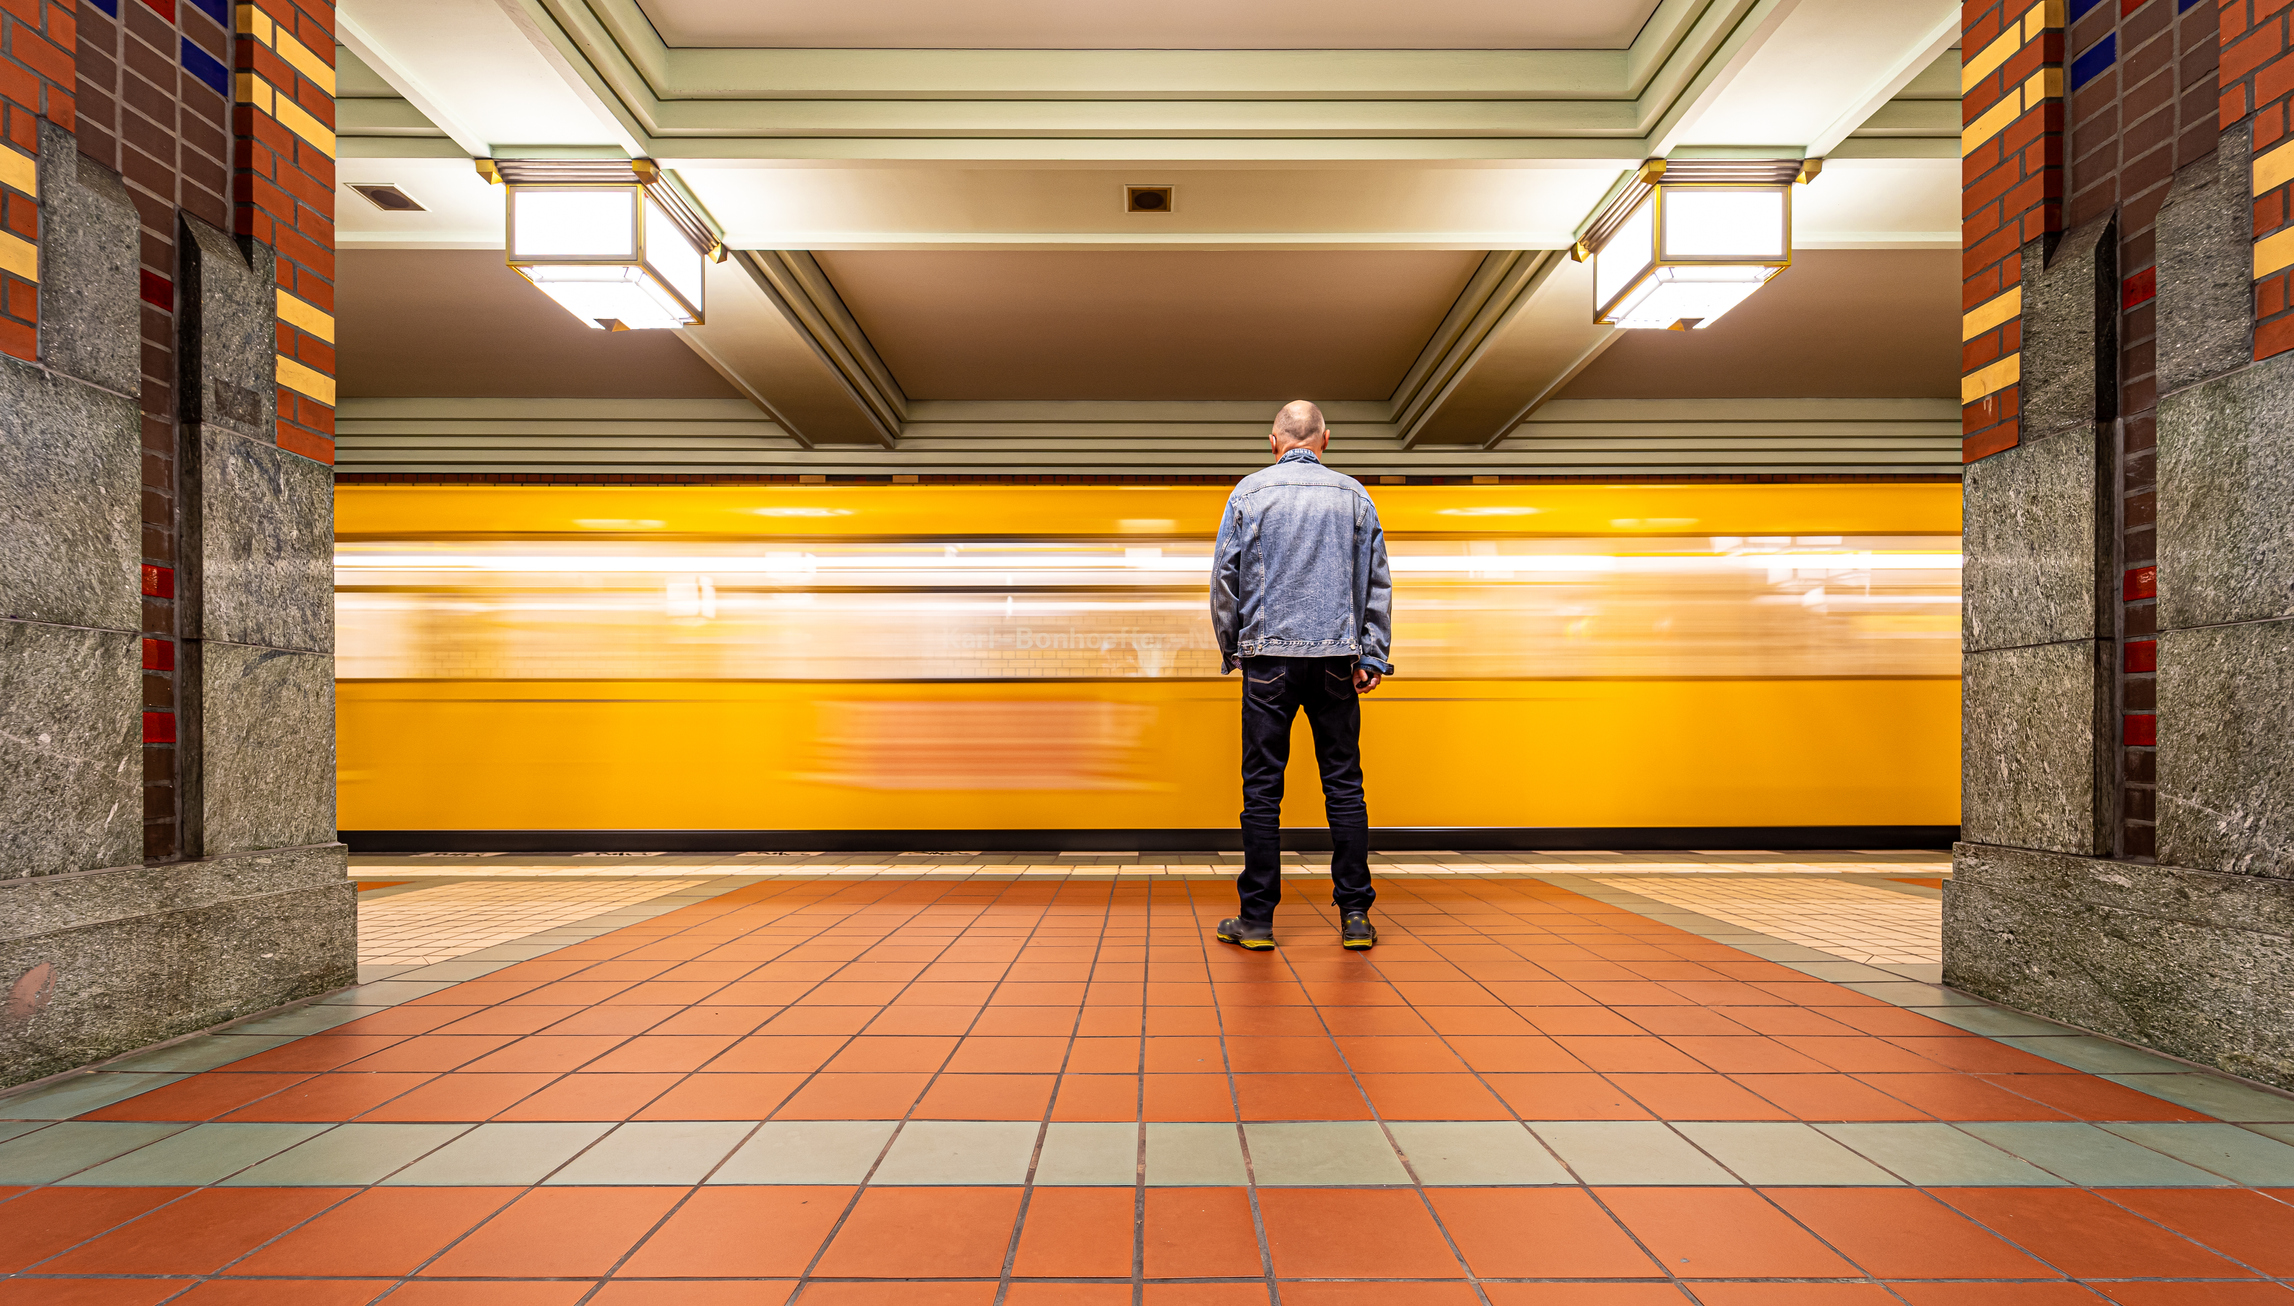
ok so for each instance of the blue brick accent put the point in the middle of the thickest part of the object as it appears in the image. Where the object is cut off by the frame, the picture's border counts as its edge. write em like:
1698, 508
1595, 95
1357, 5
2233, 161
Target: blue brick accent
207, 68
2088, 66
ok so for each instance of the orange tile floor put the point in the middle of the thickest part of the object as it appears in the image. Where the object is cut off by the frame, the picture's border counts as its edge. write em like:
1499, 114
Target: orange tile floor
1001, 1092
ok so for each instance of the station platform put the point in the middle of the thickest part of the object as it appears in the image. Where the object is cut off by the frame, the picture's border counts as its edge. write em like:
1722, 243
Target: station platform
1609, 1080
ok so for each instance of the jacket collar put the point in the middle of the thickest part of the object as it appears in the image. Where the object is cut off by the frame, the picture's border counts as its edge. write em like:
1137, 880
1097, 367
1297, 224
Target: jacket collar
1297, 455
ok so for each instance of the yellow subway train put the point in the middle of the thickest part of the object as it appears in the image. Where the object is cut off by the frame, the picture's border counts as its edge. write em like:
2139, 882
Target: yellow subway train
732, 668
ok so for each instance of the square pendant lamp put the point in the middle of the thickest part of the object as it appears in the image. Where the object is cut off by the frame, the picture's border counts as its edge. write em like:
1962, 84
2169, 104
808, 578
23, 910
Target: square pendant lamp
610, 240
1685, 242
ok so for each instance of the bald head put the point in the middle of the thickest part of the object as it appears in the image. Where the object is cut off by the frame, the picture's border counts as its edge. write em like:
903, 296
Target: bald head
1298, 423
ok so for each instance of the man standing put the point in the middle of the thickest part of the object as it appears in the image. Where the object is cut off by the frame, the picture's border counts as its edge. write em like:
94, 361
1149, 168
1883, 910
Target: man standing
1300, 599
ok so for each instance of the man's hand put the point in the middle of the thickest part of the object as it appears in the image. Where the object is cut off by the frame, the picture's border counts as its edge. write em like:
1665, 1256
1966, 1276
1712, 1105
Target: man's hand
1365, 680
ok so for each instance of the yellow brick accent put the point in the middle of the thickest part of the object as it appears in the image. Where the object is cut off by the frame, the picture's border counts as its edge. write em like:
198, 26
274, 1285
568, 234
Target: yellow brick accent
303, 380
1991, 123
298, 313
19, 256
1990, 313
2274, 253
2040, 17
1989, 58
2273, 169
254, 22
2046, 84
2000, 375
305, 62
253, 90
293, 117
20, 171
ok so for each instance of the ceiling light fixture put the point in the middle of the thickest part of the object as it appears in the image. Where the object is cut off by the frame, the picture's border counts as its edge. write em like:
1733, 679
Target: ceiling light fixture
610, 240
1684, 242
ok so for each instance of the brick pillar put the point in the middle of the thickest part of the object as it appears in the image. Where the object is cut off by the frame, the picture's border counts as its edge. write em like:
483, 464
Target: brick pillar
2127, 569
2257, 83
2011, 174
36, 81
283, 187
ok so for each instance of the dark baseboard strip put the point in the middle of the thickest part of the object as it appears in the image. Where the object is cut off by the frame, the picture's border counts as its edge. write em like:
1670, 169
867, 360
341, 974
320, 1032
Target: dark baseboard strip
1391, 839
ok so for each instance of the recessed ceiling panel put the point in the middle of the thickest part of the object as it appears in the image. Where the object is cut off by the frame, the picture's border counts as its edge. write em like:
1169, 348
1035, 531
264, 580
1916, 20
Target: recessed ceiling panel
459, 324
1149, 325
1839, 324
1171, 25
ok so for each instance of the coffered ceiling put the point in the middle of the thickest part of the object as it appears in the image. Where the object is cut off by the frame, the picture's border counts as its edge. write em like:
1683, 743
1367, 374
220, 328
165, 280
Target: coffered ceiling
1370, 200
1178, 25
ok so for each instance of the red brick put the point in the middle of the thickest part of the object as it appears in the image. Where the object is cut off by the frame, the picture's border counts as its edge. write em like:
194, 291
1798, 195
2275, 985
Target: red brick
306, 444
25, 10
1996, 440
318, 258
23, 299
2274, 81
1975, 353
41, 55
2251, 51
2273, 337
19, 340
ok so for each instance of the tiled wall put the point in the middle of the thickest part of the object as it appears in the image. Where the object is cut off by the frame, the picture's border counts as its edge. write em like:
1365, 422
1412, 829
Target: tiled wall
153, 107
2143, 105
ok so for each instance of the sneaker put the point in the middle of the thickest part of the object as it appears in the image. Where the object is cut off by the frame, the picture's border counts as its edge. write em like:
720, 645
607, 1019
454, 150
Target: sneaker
1356, 931
1258, 936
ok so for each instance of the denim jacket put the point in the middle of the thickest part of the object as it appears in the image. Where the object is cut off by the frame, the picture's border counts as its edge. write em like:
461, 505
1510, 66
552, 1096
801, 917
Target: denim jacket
1300, 568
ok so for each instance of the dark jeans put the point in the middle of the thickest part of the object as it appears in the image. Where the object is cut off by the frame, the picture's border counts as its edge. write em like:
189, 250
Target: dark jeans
1274, 689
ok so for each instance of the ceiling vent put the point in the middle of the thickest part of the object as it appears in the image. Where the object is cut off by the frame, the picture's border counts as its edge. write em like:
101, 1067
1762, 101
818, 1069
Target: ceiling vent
1147, 199
388, 198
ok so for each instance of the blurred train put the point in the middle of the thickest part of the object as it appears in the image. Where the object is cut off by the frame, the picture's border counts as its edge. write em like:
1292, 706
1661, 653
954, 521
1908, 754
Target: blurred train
758, 667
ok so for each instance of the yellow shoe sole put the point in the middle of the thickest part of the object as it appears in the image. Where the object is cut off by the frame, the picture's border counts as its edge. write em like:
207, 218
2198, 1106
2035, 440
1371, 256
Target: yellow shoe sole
1359, 945
1252, 945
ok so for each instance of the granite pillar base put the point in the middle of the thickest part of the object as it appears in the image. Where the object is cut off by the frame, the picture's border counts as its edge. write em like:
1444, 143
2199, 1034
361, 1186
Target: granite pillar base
2196, 964
97, 963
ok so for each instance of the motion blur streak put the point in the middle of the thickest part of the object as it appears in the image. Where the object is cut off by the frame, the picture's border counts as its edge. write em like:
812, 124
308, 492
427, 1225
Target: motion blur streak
601, 670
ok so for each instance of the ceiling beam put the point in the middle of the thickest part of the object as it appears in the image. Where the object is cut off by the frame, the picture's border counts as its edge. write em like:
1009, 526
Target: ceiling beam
800, 360
1522, 330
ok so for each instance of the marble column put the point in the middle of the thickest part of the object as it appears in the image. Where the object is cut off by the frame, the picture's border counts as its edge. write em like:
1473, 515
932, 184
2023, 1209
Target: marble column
2192, 952
99, 953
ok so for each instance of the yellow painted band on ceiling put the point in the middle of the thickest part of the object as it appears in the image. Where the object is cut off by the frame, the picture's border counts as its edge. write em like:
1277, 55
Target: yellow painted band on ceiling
19, 257
1990, 313
1990, 380
305, 380
307, 317
2273, 169
1991, 123
2274, 253
20, 172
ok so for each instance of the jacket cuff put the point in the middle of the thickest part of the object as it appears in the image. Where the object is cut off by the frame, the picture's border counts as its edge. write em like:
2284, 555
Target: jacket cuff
1379, 665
